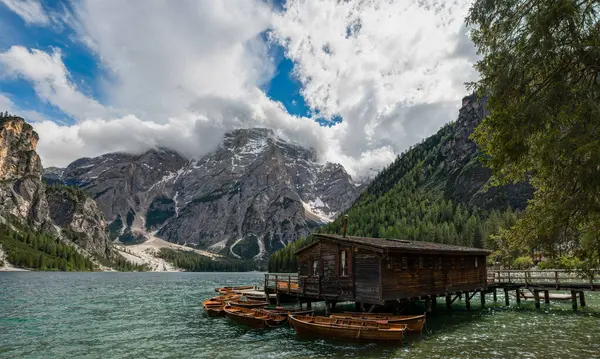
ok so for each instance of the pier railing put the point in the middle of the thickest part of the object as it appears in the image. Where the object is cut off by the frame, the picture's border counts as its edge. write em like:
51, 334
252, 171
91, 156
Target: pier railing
545, 278
282, 282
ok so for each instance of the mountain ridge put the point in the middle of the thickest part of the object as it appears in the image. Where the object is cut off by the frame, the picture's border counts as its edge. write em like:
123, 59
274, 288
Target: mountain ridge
252, 195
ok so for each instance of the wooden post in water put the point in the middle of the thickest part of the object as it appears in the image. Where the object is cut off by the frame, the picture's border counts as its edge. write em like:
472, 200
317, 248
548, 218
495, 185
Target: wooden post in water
536, 296
277, 299
357, 307
546, 297
518, 292
495, 296
574, 299
506, 300
581, 299
327, 308
482, 299
468, 300
448, 301
434, 302
308, 305
428, 304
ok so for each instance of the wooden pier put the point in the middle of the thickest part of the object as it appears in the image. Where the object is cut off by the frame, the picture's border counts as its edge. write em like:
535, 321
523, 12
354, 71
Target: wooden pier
541, 282
525, 284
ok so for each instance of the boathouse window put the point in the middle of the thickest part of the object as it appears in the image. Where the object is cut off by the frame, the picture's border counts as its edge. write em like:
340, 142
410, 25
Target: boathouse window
343, 263
420, 262
315, 268
475, 262
404, 263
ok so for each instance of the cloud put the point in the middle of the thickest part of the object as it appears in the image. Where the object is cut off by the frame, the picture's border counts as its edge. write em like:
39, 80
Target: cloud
180, 75
373, 61
30, 11
50, 79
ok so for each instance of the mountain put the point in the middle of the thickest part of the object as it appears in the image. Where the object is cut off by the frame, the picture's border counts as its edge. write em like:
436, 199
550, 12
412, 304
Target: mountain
437, 186
255, 193
43, 215
436, 191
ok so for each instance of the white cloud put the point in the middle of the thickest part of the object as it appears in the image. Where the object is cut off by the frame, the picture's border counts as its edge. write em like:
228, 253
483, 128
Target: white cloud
50, 79
180, 76
30, 11
374, 62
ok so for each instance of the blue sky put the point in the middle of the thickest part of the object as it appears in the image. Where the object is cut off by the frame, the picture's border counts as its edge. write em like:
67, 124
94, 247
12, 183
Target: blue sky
357, 81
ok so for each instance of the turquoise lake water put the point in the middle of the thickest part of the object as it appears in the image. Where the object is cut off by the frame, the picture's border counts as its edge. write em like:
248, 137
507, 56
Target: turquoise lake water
158, 315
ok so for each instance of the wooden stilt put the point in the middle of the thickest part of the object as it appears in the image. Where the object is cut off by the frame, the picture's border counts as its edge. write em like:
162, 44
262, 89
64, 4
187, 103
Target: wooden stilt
574, 299
428, 304
482, 299
495, 296
546, 297
277, 299
357, 307
581, 299
309, 305
518, 293
506, 300
333, 303
434, 302
536, 296
327, 308
468, 300
448, 301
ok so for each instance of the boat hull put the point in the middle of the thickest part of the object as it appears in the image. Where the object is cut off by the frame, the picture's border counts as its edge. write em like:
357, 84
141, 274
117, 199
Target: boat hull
414, 323
256, 319
224, 290
282, 311
248, 304
349, 331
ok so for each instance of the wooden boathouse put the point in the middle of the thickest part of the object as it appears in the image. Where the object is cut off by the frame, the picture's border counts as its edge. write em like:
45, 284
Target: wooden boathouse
379, 271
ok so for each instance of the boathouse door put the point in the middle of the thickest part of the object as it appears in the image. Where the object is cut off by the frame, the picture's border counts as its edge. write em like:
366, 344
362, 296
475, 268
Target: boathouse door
367, 272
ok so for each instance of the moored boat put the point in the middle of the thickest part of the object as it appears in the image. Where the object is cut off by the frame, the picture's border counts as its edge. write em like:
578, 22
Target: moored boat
414, 323
248, 303
338, 328
226, 297
224, 290
213, 308
289, 311
254, 318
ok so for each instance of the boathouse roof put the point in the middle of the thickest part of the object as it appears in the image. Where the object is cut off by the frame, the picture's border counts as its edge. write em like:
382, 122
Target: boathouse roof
382, 244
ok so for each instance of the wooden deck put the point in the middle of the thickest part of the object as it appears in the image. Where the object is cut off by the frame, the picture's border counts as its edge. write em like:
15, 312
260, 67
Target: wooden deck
544, 279
538, 284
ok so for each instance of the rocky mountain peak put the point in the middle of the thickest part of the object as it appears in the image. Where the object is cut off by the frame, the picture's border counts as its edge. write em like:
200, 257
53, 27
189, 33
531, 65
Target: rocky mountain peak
253, 194
18, 142
65, 212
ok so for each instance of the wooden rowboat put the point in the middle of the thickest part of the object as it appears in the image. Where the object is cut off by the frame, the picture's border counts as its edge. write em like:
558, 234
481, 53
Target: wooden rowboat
254, 318
227, 297
414, 323
214, 308
224, 290
289, 311
334, 328
248, 303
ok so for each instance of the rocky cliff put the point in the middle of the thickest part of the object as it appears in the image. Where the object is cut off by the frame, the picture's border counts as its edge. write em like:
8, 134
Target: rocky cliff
25, 198
21, 190
251, 196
